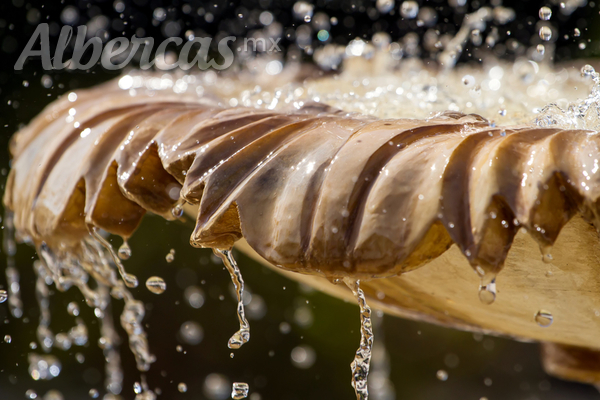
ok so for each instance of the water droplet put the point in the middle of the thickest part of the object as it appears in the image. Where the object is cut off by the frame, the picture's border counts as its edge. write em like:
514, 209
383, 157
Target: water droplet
441, 375
124, 251
94, 393
73, 309
239, 390
170, 256
409, 9
156, 284
487, 293
541, 49
544, 318
137, 388
131, 280
582, 46
182, 387
31, 394
3, 296
576, 32
7, 339
177, 210
545, 13
545, 33
468, 80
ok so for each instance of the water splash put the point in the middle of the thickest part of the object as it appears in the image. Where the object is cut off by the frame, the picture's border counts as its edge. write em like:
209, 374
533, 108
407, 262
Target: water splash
130, 279
362, 359
581, 114
243, 335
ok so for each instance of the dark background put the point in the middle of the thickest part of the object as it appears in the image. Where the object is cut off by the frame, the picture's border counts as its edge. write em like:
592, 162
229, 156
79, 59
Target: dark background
416, 350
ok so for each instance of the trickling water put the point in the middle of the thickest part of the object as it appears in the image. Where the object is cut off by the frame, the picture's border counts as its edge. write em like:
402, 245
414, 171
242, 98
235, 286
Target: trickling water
12, 274
239, 390
156, 285
544, 318
130, 279
362, 360
243, 335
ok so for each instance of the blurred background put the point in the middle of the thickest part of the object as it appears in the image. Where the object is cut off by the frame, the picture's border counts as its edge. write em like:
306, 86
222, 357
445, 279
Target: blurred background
302, 341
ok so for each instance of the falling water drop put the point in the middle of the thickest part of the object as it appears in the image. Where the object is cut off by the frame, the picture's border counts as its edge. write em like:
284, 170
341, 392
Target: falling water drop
137, 388
31, 394
362, 360
239, 390
3, 296
545, 33
124, 251
243, 335
487, 293
182, 387
7, 339
156, 285
545, 13
544, 318
576, 32
170, 256
94, 393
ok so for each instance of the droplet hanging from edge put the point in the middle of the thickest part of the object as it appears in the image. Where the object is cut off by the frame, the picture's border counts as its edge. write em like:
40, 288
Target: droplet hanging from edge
156, 285
177, 210
544, 318
124, 251
487, 293
362, 359
239, 390
243, 335
3, 296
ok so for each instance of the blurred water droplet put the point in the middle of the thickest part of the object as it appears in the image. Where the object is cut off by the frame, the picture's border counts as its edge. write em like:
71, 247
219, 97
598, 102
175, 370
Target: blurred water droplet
441, 375
31, 394
191, 332
94, 393
73, 309
216, 387
303, 356
182, 387
7, 339
409, 9
3, 296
